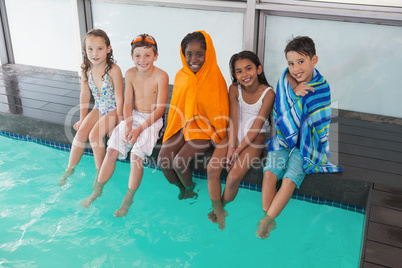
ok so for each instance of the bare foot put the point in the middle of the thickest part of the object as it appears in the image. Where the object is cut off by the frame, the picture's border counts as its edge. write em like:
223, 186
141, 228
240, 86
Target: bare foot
218, 214
265, 226
122, 211
182, 193
67, 173
88, 201
182, 190
95, 194
126, 204
212, 217
189, 192
221, 214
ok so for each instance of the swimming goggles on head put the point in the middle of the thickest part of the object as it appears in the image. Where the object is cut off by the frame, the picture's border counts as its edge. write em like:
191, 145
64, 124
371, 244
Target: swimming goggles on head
148, 39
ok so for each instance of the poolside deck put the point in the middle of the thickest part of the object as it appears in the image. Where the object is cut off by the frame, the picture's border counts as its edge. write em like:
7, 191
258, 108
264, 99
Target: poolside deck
36, 101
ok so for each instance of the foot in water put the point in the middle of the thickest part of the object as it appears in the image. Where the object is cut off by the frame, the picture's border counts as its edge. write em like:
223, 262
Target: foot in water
67, 173
189, 192
218, 217
182, 193
218, 214
265, 226
97, 192
126, 204
212, 217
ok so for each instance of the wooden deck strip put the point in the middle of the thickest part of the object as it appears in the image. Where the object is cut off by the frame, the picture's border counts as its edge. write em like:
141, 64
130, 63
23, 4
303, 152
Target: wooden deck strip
372, 265
385, 234
370, 152
369, 125
382, 254
383, 242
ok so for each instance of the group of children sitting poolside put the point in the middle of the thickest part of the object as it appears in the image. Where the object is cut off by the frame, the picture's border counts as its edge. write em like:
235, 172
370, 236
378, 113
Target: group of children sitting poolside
204, 113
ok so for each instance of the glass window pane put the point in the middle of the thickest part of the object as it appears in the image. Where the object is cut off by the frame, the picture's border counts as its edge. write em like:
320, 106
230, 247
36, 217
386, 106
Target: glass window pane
122, 22
390, 3
42, 33
360, 61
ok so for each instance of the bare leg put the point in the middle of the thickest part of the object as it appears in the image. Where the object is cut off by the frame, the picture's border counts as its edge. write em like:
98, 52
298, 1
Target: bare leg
165, 160
181, 164
96, 179
105, 174
267, 224
280, 200
268, 190
247, 158
108, 166
98, 132
214, 170
126, 204
135, 179
78, 144
174, 159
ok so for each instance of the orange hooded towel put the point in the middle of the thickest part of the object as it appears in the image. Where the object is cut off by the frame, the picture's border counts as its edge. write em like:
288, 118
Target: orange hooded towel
199, 105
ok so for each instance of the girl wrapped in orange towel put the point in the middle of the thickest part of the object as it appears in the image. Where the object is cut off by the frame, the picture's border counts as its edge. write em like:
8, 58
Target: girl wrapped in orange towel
198, 112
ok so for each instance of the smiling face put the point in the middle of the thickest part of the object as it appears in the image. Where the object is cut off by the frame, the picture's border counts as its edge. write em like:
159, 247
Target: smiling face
195, 56
301, 66
144, 58
96, 50
246, 72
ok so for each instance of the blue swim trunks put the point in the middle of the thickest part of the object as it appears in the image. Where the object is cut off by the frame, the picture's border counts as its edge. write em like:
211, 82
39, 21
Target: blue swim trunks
286, 163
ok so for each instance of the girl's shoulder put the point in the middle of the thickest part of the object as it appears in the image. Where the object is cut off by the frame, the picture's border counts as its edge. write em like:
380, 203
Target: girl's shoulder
234, 88
270, 93
114, 70
115, 67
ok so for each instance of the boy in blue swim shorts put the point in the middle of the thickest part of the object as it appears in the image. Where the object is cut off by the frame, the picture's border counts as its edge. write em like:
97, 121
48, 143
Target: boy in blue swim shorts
302, 113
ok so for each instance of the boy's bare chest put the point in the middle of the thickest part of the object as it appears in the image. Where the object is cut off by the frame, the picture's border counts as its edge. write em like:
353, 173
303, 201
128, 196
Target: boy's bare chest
145, 90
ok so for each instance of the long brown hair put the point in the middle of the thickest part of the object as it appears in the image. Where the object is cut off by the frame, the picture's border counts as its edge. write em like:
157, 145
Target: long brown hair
245, 54
109, 58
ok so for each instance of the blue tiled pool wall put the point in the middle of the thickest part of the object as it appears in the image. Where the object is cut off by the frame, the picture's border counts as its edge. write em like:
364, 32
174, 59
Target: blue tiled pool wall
150, 164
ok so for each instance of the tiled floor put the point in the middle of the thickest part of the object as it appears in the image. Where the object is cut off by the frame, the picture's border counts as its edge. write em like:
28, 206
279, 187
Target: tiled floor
36, 102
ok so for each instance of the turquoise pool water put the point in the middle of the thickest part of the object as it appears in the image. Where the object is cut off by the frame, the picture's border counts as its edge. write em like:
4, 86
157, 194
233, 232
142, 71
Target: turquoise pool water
43, 225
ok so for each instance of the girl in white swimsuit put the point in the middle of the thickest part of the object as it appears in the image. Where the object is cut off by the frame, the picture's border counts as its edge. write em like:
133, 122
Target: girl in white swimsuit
250, 102
102, 78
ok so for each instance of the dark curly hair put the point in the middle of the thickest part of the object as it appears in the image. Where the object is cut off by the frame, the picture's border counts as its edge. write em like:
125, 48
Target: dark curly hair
194, 36
109, 58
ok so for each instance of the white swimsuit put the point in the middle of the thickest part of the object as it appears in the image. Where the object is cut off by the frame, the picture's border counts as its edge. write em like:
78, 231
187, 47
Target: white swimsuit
248, 113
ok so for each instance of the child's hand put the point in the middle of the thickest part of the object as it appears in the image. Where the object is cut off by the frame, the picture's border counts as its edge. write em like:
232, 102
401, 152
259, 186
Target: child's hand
126, 134
303, 89
77, 125
133, 135
231, 158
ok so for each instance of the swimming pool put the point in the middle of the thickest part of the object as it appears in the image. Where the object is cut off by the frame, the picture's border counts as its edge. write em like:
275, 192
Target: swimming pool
43, 225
